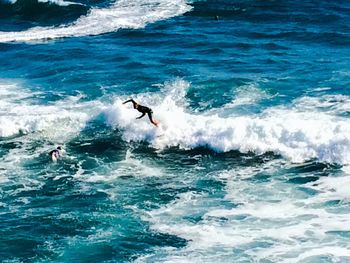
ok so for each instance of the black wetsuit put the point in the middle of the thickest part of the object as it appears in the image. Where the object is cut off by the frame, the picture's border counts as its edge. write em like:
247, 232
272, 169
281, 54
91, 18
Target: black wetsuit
143, 110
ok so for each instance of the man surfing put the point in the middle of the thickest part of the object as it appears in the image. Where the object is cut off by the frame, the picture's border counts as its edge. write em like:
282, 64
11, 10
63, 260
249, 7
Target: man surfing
143, 110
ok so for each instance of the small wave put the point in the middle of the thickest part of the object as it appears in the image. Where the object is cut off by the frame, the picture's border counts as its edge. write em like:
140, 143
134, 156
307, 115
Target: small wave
60, 2
299, 132
40, 12
19, 115
122, 14
248, 94
295, 134
56, 2
333, 104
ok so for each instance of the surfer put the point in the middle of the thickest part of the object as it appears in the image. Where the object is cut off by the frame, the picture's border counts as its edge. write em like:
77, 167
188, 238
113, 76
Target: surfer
143, 110
55, 154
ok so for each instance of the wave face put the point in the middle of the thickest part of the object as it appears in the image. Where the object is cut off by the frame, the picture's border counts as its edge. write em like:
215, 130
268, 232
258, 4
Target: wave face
20, 115
121, 14
295, 134
26, 13
56, 2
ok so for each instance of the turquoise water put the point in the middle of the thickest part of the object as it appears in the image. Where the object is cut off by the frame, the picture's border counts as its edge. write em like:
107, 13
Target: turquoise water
250, 162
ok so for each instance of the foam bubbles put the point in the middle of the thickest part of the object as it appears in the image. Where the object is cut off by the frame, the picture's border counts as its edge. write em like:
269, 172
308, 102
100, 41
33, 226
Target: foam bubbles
56, 2
130, 166
19, 115
273, 221
334, 104
248, 94
59, 2
333, 188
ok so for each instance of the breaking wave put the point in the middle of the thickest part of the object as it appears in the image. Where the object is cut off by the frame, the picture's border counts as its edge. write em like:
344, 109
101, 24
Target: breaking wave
121, 14
295, 134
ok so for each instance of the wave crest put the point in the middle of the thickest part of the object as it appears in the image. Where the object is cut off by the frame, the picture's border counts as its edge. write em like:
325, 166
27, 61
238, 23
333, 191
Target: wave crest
296, 135
122, 14
296, 132
56, 2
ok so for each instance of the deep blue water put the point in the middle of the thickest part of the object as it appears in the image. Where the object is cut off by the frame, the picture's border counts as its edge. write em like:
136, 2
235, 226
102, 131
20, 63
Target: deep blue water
250, 162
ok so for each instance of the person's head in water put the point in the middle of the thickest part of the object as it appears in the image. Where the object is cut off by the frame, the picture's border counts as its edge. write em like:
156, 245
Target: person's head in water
56, 154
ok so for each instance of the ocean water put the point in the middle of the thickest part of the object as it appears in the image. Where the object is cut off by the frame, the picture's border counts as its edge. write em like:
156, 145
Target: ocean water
250, 162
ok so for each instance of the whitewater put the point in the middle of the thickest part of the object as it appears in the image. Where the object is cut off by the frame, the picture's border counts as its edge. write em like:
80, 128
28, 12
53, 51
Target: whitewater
121, 14
296, 134
250, 162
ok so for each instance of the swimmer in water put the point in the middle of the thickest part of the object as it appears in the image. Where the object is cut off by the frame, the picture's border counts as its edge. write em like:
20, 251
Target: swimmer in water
143, 110
55, 154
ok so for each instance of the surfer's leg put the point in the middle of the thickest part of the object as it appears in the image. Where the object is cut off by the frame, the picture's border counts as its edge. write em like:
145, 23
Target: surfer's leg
151, 119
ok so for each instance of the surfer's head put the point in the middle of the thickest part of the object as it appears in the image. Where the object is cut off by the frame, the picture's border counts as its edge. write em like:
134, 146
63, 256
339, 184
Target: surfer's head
55, 154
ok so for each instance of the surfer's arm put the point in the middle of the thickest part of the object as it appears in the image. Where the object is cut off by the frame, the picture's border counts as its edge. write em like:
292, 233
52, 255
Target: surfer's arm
134, 103
143, 114
131, 100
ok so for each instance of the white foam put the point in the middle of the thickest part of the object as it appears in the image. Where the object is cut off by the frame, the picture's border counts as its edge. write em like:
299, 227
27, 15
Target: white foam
334, 104
130, 166
321, 89
56, 2
333, 188
273, 221
122, 14
296, 134
333, 251
59, 2
9, 1
248, 94
19, 114
3, 179
110, 173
